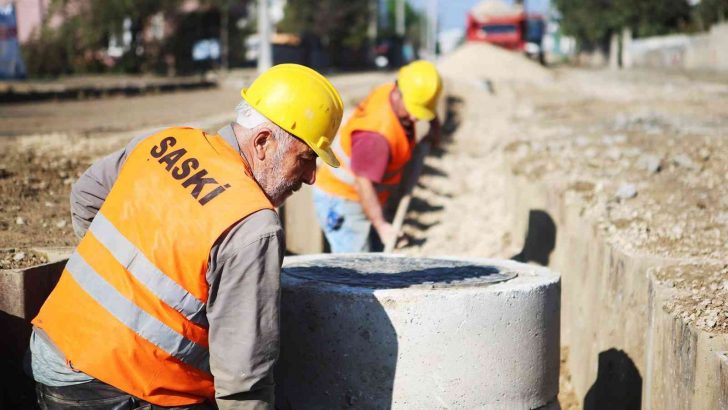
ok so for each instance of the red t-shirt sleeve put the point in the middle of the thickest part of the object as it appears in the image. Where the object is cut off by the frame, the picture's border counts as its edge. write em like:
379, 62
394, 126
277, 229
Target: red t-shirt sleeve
369, 155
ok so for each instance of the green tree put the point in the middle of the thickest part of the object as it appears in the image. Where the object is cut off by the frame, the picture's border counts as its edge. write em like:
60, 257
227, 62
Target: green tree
85, 30
593, 21
709, 12
78, 44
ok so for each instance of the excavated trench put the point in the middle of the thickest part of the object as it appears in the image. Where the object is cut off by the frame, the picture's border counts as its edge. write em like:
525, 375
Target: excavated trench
616, 181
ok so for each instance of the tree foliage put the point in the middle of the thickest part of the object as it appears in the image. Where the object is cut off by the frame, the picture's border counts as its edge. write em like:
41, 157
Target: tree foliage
77, 39
709, 12
593, 21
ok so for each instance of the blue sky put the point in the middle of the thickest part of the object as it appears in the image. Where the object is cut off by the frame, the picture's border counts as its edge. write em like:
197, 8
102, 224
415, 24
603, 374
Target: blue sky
452, 12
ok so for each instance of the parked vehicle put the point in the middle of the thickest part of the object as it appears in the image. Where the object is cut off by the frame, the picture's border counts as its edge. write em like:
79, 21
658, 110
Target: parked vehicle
506, 26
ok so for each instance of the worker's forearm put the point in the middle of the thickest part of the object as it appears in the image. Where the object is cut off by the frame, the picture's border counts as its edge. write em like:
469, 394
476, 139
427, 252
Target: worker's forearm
370, 202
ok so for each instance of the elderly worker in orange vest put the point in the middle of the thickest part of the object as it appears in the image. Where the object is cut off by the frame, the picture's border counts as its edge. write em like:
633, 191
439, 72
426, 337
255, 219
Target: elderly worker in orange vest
374, 147
171, 298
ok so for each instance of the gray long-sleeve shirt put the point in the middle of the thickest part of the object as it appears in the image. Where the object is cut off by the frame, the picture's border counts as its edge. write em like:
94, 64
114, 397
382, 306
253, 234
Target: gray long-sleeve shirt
244, 292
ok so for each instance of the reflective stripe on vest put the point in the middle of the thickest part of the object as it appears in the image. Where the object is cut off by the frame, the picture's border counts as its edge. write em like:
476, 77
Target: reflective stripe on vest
141, 268
135, 318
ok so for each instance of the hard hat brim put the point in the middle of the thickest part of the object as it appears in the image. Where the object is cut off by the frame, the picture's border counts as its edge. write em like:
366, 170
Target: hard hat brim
420, 112
327, 155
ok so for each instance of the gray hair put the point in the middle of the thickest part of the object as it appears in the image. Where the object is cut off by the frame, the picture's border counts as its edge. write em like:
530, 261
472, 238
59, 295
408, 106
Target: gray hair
250, 118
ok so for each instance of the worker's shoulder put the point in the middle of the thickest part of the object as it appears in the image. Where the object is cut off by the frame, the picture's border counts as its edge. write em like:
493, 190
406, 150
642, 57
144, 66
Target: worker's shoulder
167, 130
260, 225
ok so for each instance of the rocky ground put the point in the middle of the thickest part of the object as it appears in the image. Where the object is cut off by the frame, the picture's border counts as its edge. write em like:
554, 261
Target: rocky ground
701, 295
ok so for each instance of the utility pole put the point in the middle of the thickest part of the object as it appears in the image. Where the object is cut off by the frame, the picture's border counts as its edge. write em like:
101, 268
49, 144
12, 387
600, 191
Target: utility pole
432, 29
400, 17
265, 52
224, 34
372, 29
373, 20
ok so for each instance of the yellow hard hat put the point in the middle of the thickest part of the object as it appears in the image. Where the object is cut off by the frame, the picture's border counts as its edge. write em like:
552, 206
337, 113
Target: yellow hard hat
302, 102
420, 85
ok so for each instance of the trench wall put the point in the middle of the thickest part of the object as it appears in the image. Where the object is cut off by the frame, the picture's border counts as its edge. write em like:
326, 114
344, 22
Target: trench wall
625, 349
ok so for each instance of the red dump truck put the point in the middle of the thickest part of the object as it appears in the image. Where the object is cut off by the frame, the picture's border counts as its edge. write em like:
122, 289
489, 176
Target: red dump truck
507, 26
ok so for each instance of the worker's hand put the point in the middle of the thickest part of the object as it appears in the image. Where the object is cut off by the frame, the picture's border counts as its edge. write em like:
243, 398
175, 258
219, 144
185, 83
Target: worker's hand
434, 134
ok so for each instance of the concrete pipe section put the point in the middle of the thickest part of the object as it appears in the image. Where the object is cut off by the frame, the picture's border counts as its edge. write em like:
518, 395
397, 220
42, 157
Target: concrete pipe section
375, 331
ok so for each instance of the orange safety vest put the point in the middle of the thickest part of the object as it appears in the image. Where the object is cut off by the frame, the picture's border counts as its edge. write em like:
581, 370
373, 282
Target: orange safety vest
373, 114
129, 308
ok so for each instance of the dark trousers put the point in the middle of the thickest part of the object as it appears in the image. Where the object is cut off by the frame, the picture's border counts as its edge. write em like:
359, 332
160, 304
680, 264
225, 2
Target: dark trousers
96, 395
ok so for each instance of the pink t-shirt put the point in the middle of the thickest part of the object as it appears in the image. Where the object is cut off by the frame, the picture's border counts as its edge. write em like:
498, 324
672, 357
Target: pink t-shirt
369, 155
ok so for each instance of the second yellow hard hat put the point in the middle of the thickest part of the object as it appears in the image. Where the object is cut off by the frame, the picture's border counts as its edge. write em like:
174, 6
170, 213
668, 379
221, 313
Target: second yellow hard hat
420, 85
302, 102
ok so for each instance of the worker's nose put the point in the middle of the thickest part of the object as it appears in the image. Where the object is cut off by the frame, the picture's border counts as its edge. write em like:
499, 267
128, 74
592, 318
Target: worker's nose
309, 176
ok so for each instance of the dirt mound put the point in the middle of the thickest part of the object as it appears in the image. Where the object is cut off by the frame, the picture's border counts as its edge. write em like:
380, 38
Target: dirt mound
481, 61
494, 8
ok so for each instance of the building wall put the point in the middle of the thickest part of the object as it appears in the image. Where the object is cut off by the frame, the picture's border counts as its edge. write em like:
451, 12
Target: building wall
30, 15
706, 51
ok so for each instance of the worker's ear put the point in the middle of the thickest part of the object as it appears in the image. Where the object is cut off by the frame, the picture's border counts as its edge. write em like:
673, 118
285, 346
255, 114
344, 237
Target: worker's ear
263, 142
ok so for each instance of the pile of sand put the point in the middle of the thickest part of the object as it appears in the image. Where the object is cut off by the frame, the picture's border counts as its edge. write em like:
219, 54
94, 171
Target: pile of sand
494, 8
482, 61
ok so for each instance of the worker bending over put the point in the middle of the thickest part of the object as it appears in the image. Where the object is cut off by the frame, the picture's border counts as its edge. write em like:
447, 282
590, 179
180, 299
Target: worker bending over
171, 298
374, 147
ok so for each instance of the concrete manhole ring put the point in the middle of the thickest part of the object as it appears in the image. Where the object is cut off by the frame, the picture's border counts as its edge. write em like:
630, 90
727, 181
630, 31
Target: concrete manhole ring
378, 271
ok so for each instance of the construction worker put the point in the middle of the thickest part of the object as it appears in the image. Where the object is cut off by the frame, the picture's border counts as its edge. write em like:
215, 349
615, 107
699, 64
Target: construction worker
171, 298
375, 145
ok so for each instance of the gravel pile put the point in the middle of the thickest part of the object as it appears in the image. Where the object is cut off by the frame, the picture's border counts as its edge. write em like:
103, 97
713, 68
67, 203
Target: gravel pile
494, 8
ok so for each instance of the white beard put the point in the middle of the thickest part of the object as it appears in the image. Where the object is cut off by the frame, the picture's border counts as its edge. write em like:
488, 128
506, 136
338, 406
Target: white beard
275, 186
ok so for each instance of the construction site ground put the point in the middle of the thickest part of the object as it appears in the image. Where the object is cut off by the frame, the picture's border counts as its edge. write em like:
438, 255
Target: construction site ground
642, 152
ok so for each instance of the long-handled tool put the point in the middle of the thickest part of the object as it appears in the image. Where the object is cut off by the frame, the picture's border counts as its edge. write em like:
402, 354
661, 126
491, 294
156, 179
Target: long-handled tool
415, 169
